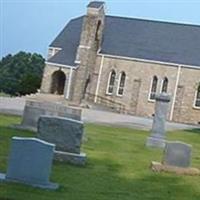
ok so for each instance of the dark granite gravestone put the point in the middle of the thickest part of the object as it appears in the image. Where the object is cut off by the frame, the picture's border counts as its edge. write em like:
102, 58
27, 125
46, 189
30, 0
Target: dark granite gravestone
157, 138
66, 134
30, 162
177, 154
34, 109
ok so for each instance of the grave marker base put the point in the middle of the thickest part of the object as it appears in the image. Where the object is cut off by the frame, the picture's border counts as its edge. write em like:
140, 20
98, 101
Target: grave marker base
159, 167
155, 142
72, 158
24, 128
49, 186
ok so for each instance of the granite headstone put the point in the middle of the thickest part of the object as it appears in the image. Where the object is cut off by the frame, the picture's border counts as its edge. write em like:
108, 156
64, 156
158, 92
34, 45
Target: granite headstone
34, 109
177, 154
66, 134
30, 162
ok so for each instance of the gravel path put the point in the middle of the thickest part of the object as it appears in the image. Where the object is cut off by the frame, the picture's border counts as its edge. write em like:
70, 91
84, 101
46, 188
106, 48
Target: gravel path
16, 106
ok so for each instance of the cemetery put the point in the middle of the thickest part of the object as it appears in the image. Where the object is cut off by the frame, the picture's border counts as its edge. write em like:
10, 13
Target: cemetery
117, 163
95, 125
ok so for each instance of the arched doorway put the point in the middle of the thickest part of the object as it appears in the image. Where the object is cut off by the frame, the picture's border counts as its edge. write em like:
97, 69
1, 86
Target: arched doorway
58, 82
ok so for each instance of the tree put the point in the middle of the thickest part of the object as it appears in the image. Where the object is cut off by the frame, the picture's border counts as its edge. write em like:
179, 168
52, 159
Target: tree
21, 73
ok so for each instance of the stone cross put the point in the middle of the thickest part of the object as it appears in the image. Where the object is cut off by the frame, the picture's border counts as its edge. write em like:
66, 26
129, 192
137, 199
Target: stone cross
30, 163
177, 154
157, 138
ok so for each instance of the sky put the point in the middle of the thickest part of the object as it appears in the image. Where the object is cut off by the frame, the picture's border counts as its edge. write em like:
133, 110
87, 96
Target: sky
31, 25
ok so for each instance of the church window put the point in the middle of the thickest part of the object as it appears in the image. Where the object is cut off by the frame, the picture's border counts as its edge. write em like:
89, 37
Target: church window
121, 84
197, 97
153, 88
50, 53
111, 82
164, 85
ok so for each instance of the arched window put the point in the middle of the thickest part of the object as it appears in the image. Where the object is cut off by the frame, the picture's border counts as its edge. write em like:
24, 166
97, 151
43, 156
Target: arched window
122, 78
164, 85
111, 82
197, 97
153, 88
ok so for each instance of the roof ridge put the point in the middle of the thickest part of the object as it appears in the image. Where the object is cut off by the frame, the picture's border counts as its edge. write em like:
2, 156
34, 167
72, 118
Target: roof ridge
155, 21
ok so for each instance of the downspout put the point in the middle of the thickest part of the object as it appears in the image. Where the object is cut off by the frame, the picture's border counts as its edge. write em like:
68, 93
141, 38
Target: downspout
98, 80
175, 92
69, 83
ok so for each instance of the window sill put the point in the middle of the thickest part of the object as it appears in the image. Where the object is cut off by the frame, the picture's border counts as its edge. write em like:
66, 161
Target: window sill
196, 108
109, 94
119, 95
151, 101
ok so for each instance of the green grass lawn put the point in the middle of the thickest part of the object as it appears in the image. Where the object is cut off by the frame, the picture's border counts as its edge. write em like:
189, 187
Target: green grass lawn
117, 168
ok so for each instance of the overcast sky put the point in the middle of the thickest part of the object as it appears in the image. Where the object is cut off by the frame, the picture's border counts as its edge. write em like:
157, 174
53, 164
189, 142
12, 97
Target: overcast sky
31, 25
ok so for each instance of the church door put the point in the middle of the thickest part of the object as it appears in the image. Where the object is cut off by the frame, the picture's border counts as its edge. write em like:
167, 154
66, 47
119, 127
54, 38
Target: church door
58, 82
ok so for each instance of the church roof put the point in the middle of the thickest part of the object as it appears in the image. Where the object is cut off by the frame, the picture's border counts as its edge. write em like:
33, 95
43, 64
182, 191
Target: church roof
135, 38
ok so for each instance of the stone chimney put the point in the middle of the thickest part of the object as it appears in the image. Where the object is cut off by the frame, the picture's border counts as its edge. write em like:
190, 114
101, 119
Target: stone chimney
90, 43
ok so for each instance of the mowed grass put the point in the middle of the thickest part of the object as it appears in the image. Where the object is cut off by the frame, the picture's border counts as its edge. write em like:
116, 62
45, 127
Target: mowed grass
117, 168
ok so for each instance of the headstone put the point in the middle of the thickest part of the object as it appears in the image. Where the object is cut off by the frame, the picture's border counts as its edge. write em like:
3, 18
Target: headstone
30, 162
34, 109
66, 134
177, 154
176, 159
157, 138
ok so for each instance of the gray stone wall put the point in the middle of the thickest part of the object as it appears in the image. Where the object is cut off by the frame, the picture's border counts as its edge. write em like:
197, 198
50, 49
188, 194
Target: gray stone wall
47, 78
184, 110
137, 86
138, 82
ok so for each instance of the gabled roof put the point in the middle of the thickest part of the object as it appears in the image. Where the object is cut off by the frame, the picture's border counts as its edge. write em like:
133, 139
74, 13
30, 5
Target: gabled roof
68, 40
135, 38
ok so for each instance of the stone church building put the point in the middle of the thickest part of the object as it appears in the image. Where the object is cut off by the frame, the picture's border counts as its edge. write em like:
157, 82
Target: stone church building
121, 63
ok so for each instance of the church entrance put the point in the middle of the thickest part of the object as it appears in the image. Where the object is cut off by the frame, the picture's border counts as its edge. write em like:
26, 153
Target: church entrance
58, 82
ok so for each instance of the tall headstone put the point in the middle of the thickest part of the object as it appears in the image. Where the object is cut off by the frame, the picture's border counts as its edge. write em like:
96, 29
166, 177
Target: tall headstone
157, 137
177, 154
30, 162
66, 134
